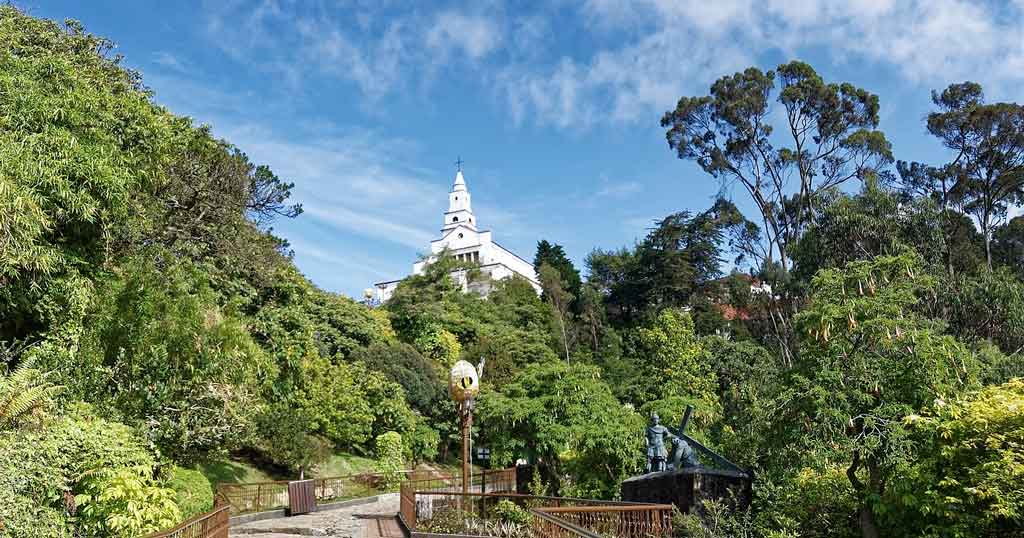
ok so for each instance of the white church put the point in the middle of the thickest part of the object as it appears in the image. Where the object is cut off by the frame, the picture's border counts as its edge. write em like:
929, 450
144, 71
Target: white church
461, 238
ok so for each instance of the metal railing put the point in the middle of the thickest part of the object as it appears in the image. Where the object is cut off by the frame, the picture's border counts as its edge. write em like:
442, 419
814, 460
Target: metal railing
260, 496
622, 520
212, 524
442, 508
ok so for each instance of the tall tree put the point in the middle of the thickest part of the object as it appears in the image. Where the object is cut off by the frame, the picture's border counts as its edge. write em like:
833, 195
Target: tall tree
988, 142
559, 298
1008, 249
831, 129
866, 361
554, 255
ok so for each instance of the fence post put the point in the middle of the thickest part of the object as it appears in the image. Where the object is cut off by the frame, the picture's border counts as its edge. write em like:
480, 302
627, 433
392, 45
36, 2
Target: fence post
259, 488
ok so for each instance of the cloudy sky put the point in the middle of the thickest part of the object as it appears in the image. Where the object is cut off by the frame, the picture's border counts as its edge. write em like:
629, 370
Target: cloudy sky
554, 106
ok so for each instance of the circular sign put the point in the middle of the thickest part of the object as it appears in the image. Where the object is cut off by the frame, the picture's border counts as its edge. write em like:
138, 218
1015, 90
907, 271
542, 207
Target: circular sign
463, 383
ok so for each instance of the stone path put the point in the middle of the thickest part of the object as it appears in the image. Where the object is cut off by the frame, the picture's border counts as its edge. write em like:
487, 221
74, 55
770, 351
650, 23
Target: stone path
340, 523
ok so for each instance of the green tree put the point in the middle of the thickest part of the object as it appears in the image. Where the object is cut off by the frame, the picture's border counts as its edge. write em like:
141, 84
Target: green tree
831, 129
554, 255
966, 480
389, 452
987, 141
419, 376
566, 417
871, 223
159, 352
674, 370
986, 306
866, 361
285, 438
560, 299
79, 139
1008, 246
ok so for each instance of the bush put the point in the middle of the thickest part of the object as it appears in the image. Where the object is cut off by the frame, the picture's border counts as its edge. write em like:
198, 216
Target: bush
389, 459
192, 491
125, 502
510, 512
23, 517
423, 442
284, 438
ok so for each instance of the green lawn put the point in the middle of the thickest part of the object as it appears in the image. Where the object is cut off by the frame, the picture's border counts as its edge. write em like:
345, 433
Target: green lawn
342, 464
230, 470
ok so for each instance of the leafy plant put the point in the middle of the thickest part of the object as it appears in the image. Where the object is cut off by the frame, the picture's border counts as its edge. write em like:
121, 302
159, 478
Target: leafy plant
192, 491
125, 502
23, 392
390, 460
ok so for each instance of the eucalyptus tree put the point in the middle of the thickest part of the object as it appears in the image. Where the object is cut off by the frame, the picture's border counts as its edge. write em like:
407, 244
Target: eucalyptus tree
988, 144
828, 135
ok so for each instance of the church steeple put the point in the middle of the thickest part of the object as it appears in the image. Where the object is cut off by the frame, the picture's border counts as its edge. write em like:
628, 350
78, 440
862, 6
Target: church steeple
460, 210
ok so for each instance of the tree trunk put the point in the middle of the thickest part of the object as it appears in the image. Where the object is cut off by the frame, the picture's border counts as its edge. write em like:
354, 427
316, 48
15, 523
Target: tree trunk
868, 528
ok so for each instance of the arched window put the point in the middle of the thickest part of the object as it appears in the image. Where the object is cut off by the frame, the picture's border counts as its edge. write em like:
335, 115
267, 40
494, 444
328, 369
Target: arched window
455, 219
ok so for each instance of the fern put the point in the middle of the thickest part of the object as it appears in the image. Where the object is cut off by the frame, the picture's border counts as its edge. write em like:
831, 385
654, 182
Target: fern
22, 392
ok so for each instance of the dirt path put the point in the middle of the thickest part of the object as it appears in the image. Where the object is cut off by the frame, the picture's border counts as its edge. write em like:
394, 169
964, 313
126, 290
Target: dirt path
342, 523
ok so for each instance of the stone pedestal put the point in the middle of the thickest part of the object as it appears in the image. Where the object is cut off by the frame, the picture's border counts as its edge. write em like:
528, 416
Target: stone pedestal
687, 487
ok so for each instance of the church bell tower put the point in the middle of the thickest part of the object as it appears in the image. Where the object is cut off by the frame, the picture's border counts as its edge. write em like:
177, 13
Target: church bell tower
460, 211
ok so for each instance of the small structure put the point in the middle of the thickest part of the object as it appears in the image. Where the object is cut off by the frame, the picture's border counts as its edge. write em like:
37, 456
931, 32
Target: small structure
696, 473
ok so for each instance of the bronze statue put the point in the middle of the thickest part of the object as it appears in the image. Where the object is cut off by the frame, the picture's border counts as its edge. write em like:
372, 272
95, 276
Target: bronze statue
657, 455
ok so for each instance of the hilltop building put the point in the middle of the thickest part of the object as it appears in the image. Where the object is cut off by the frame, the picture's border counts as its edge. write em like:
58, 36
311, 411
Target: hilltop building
461, 238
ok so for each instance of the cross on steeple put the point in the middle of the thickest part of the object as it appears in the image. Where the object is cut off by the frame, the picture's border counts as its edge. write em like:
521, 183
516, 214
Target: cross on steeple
458, 164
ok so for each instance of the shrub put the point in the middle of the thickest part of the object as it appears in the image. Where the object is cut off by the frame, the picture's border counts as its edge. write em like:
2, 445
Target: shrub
510, 512
125, 502
423, 442
389, 459
192, 491
284, 438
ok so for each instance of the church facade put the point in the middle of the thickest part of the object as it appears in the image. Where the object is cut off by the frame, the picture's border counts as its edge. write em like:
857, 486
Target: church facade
461, 238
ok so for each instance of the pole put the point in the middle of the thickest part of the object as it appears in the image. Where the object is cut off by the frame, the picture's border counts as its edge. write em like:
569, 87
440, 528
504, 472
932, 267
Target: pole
467, 423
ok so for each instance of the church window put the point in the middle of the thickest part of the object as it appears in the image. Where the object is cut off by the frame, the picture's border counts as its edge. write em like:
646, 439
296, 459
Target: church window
460, 236
455, 219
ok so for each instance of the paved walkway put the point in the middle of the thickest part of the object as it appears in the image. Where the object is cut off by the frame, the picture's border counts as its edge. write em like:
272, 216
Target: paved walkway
381, 522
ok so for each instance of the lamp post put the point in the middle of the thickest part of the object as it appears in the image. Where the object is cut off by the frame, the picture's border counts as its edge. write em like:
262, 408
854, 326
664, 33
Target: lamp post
463, 385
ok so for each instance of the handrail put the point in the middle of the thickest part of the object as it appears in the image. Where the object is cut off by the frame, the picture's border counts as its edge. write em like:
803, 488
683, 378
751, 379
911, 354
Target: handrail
592, 502
557, 517
571, 527
197, 527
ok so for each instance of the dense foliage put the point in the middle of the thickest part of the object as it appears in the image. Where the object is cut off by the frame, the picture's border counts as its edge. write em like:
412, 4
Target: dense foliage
857, 342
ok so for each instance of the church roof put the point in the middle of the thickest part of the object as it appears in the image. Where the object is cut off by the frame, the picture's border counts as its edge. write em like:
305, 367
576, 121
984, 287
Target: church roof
460, 182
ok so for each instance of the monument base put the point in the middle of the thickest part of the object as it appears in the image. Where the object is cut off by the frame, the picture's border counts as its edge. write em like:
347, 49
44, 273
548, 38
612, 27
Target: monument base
688, 487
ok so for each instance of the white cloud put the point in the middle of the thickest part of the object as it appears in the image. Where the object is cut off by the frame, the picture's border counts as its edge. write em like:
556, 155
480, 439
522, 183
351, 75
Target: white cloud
169, 61
680, 46
619, 190
474, 35
618, 61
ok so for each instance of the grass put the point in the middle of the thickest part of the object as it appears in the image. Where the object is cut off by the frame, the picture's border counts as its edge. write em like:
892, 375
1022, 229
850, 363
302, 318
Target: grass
233, 471
342, 464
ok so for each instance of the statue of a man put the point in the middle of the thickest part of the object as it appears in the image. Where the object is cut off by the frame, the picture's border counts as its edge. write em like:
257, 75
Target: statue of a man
656, 453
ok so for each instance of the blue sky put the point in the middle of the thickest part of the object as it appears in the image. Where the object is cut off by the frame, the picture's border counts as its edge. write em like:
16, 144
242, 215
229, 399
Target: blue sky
553, 105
